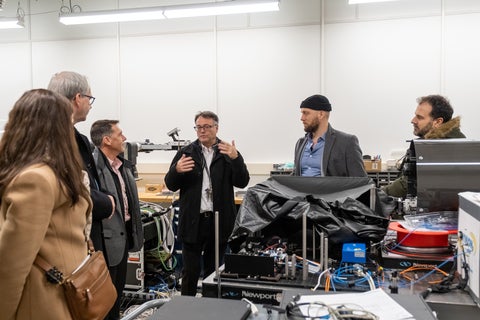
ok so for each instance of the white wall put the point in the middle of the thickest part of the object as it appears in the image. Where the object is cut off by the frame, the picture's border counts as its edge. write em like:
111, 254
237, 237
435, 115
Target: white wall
372, 61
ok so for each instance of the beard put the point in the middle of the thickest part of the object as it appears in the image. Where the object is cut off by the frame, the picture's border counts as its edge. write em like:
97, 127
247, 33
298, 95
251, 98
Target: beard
421, 132
311, 128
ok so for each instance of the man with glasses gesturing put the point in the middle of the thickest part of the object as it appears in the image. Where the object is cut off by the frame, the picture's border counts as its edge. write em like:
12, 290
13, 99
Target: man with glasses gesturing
205, 172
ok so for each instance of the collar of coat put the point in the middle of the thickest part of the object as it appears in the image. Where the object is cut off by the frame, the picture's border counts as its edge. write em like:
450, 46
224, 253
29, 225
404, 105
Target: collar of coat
102, 160
445, 130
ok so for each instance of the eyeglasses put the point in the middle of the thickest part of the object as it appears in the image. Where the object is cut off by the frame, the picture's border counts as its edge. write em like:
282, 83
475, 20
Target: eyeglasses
205, 127
91, 99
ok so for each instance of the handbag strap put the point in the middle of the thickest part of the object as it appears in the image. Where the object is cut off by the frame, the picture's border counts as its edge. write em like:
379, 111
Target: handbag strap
51, 272
91, 248
42, 263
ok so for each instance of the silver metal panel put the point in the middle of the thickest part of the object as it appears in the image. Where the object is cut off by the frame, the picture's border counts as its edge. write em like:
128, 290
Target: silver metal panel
445, 168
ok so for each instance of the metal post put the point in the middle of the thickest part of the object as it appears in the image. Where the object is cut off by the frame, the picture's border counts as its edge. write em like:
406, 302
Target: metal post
294, 265
304, 252
325, 258
322, 249
217, 254
314, 232
286, 266
171, 217
372, 197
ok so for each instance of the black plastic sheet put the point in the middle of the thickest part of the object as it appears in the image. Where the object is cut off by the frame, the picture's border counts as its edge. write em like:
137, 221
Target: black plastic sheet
332, 204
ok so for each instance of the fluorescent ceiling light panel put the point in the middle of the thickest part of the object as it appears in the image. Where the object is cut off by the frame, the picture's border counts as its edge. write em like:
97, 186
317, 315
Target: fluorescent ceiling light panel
11, 23
221, 8
105, 16
175, 11
367, 1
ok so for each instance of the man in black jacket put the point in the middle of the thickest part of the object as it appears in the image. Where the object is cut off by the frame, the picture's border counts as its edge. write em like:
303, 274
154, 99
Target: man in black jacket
205, 172
75, 87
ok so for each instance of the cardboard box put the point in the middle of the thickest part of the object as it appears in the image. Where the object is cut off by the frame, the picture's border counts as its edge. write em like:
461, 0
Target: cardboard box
468, 226
372, 165
153, 188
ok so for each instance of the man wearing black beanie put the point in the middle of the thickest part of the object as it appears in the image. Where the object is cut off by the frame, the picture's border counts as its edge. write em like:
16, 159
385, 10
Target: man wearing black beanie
325, 151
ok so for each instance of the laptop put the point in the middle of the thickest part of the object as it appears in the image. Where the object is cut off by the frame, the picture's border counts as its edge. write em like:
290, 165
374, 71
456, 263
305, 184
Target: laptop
192, 308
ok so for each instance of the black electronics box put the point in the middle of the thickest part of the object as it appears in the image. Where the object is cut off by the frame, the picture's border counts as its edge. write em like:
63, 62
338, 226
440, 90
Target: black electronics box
134, 276
249, 265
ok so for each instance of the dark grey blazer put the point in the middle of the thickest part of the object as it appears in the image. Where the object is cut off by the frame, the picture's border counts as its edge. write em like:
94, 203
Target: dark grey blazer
116, 232
342, 155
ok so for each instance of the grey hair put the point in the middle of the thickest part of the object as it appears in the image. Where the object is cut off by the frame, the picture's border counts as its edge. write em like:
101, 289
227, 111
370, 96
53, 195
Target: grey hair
69, 83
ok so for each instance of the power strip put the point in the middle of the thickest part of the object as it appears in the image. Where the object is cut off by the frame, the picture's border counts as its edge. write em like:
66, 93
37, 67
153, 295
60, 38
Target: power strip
139, 295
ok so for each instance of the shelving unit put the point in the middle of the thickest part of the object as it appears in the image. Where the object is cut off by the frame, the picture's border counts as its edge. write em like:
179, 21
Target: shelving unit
383, 178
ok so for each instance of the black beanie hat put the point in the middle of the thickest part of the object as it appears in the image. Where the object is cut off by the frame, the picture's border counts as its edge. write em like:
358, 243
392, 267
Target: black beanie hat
317, 102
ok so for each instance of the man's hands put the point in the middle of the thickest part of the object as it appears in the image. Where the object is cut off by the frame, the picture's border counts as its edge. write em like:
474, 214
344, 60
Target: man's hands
229, 149
185, 164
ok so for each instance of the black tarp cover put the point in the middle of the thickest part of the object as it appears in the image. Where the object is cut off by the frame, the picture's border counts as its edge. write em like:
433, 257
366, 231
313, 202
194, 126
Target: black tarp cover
329, 202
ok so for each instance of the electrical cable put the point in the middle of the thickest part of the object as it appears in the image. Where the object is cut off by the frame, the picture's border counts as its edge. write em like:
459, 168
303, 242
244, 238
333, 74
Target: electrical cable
319, 278
331, 283
432, 269
253, 307
319, 310
465, 266
446, 284
352, 276
163, 251
404, 238
370, 281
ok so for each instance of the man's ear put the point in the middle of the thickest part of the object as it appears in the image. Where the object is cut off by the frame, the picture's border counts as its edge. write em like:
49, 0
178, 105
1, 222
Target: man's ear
75, 100
323, 114
106, 141
437, 122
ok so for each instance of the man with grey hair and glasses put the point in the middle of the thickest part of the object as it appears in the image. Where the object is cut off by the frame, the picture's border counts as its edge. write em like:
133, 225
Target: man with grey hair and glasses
75, 87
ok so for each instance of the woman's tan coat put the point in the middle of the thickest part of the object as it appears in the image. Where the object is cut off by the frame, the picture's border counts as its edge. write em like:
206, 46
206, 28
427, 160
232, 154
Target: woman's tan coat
37, 218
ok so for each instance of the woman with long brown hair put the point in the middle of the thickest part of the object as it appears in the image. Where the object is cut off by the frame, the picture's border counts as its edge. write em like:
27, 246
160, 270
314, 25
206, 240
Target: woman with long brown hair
44, 205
